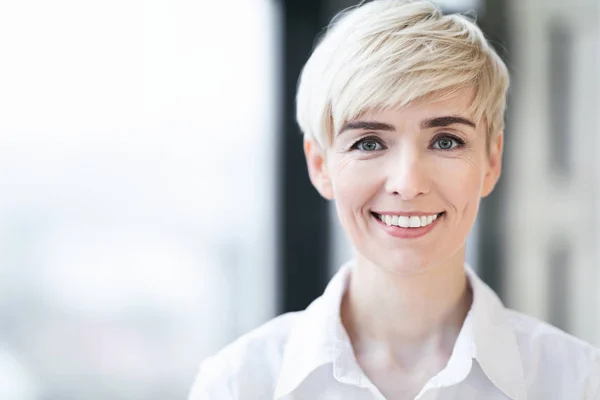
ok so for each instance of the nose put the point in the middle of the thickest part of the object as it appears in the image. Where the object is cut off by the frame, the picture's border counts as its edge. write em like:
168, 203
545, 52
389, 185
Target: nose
407, 175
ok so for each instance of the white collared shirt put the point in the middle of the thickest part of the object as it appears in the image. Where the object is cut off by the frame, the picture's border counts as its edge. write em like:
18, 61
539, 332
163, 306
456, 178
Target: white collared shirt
499, 354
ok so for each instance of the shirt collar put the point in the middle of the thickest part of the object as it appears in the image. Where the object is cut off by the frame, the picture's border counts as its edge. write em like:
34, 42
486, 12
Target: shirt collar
496, 347
487, 335
317, 338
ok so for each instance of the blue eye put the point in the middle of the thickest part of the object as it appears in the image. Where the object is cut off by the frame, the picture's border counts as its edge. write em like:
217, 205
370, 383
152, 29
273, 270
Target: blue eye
367, 145
447, 143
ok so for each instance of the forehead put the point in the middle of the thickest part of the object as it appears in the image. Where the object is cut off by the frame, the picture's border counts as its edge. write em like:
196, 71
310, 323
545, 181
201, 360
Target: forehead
459, 103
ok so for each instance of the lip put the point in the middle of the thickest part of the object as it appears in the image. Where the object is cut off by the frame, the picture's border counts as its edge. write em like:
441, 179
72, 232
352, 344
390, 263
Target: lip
407, 233
407, 214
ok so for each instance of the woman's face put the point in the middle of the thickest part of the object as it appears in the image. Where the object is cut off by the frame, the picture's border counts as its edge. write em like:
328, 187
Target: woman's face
407, 182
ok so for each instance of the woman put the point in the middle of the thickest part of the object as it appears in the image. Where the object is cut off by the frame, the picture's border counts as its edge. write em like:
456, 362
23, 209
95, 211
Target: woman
402, 110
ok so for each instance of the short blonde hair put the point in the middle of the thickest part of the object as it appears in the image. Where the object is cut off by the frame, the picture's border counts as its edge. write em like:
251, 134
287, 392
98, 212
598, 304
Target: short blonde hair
388, 53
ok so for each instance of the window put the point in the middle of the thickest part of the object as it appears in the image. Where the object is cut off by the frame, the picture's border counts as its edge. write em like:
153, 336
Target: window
136, 167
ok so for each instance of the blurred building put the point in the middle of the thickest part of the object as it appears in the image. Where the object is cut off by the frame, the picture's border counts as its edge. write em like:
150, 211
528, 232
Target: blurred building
552, 172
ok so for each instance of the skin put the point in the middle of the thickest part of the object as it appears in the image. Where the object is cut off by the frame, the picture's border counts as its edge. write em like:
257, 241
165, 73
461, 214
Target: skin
407, 297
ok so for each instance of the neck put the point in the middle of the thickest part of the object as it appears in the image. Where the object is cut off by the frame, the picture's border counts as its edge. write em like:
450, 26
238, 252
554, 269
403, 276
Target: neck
412, 313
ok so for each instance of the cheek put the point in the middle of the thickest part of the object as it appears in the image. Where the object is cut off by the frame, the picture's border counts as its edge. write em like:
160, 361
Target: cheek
460, 181
354, 183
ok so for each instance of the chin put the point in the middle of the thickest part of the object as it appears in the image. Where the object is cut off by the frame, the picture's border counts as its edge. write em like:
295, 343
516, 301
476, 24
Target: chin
403, 262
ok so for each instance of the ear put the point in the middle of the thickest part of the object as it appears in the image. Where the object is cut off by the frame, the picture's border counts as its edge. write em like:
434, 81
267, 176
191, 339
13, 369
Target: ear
317, 168
494, 163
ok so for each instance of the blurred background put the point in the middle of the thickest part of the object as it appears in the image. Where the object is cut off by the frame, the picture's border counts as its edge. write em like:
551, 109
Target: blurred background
154, 202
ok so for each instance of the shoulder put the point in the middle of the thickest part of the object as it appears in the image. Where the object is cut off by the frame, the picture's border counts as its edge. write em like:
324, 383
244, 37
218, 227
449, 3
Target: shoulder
552, 355
536, 335
248, 367
262, 346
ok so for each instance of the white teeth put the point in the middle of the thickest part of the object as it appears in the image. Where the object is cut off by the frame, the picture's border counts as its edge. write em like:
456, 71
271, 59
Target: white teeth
404, 222
415, 222
408, 222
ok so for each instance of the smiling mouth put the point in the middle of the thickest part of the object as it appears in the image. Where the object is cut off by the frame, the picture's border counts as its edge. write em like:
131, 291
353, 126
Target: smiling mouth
403, 221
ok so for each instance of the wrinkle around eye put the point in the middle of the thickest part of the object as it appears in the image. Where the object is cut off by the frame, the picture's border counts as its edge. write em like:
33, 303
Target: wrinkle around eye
468, 158
343, 164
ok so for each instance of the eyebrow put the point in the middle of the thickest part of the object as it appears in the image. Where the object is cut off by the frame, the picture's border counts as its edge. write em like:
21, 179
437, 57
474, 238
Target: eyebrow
425, 124
446, 121
367, 126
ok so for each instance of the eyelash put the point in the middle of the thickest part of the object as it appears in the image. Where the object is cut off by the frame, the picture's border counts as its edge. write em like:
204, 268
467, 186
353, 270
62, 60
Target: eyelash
459, 142
365, 139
